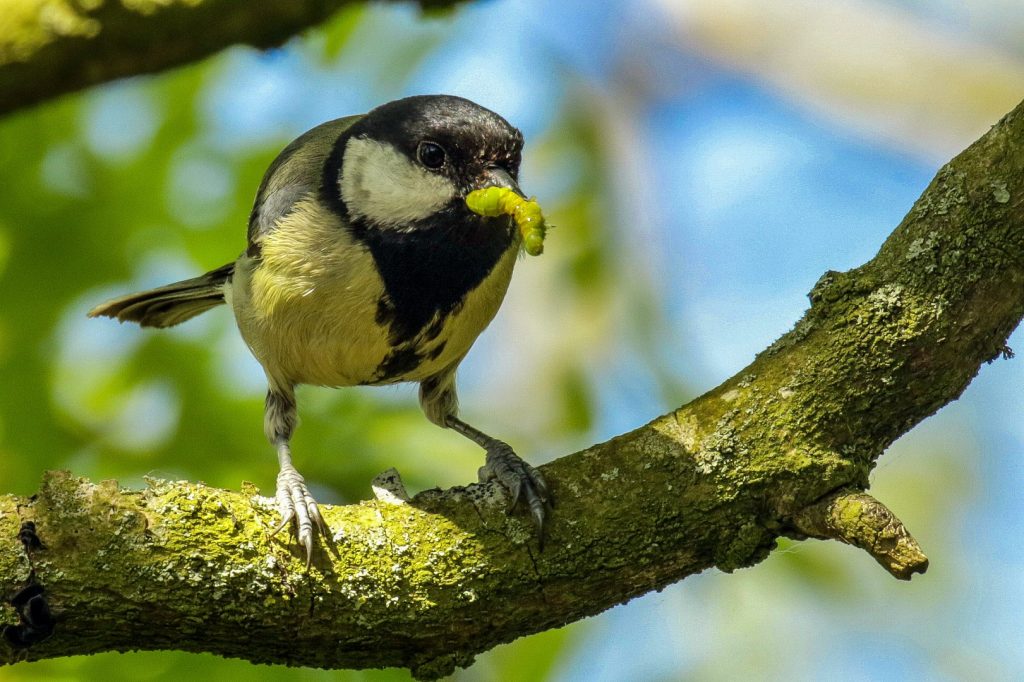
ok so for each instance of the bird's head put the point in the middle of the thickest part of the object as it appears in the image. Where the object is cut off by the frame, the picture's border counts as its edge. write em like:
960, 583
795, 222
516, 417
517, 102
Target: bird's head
409, 160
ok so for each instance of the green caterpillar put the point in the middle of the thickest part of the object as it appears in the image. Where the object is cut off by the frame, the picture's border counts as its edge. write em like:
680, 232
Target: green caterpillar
496, 201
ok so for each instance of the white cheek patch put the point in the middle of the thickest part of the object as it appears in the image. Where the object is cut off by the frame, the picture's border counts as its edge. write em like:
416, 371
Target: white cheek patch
382, 185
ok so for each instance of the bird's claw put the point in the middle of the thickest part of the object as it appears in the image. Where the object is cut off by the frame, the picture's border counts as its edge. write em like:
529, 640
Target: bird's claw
298, 508
522, 481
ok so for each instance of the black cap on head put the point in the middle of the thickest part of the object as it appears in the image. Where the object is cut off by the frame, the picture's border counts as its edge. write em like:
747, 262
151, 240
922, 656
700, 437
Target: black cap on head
470, 136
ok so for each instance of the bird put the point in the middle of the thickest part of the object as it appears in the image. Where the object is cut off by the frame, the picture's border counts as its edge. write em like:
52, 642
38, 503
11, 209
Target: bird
364, 266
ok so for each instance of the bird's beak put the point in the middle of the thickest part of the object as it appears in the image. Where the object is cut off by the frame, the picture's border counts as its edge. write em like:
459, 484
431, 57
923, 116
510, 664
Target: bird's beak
493, 176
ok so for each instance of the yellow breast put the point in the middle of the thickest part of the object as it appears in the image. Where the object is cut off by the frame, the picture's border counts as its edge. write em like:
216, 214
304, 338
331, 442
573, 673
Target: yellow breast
308, 307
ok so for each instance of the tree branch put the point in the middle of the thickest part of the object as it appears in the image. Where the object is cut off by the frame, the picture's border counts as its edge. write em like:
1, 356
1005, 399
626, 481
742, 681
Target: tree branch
53, 47
778, 449
862, 521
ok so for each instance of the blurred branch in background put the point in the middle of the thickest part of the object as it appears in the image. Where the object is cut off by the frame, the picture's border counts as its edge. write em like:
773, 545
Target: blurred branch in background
883, 71
778, 449
53, 47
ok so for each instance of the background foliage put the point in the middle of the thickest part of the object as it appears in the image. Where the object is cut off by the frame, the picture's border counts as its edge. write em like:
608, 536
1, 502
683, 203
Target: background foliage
701, 181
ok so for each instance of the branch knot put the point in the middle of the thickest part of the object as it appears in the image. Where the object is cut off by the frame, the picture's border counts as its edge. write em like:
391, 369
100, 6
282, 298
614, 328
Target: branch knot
860, 520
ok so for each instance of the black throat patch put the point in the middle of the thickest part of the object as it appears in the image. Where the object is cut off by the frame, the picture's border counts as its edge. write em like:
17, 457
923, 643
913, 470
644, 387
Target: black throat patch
429, 269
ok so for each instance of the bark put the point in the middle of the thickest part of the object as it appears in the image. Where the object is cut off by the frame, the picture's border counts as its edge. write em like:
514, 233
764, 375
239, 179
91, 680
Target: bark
782, 448
52, 47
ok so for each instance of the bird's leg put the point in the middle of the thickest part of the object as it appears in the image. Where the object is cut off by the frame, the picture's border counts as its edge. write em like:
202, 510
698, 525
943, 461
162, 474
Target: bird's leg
522, 481
294, 502
440, 404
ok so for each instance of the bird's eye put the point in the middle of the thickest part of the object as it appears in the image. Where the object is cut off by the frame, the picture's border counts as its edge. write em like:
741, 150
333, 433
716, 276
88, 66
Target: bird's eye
430, 155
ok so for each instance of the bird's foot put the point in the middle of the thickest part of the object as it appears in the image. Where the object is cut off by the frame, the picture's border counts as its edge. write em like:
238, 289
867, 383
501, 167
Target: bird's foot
522, 481
298, 509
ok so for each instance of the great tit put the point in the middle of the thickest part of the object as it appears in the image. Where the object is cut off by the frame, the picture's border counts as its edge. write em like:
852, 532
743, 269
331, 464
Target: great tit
364, 266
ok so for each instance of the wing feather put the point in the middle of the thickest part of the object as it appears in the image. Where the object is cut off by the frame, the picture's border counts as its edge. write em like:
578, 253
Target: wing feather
295, 173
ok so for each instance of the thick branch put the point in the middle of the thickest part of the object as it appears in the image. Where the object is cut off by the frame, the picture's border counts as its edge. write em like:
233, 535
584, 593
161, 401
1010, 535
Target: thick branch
431, 582
52, 47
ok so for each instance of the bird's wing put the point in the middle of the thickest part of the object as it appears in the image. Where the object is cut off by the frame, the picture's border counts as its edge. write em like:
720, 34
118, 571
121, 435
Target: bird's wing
295, 173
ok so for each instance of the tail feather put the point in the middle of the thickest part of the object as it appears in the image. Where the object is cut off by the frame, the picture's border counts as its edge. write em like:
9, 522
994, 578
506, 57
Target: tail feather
172, 304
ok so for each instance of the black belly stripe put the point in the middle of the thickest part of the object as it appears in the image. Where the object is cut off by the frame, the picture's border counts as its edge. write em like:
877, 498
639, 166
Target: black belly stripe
434, 330
397, 363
